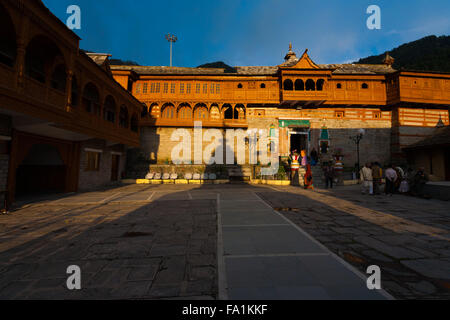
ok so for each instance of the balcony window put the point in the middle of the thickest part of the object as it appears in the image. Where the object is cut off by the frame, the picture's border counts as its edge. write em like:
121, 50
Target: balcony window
59, 77
288, 85
123, 117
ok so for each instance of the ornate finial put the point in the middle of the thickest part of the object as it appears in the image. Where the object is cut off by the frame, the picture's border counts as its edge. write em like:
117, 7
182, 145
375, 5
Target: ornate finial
291, 54
388, 60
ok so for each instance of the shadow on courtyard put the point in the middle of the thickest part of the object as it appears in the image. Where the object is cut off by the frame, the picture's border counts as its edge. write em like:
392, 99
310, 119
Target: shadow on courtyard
167, 248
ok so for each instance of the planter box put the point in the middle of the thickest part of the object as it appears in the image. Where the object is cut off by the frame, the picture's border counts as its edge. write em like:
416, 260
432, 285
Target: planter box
156, 181
142, 181
195, 181
221, 181
181, 181
271, 182
168, 181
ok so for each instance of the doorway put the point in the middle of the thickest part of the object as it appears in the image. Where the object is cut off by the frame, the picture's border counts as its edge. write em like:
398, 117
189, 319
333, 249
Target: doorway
115, 167
42, 171
298, 139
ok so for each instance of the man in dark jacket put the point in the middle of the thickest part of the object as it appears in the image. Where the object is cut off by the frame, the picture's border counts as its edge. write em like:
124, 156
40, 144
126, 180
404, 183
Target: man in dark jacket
377, 174
328, 172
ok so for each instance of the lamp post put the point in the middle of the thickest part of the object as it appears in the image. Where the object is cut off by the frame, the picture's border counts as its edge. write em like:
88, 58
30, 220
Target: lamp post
172, 39
357, 139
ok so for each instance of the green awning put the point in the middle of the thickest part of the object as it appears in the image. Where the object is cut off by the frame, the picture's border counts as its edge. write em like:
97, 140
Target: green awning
287, 123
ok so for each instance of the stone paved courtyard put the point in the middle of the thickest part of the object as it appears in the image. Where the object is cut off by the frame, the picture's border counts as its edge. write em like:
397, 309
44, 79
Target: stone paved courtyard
160, 241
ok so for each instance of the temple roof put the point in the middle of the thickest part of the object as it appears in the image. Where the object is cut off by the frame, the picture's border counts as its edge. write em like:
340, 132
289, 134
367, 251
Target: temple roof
358, 68
440, 137
291, 61
255, 70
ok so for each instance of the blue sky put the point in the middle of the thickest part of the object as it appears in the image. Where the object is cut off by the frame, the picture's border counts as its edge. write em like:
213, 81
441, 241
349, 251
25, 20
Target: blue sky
250, 32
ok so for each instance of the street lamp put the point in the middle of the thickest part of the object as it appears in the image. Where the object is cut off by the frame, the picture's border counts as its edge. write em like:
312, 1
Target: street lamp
172, 39
357, 139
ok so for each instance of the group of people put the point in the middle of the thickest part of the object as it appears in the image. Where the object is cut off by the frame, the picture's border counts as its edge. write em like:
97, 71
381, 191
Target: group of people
396, 180
295, 160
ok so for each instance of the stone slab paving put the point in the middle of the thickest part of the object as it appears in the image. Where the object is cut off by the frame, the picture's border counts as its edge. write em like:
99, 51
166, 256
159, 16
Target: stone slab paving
409, 238
127, 245
162, 242
267, 257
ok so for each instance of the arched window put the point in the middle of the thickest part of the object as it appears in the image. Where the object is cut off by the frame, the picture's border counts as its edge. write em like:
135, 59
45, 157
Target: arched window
339, 86
8, 46
288, 85
227, 111
123, 117
365, 86
91, 99
134, 125
154, 110
320, 84
214, 113
310, 85
239, 111
240, 86
109, 109
299, 85
59, 77
75, 92
41, 53
185, 111
168, 111
201, 112
263, 85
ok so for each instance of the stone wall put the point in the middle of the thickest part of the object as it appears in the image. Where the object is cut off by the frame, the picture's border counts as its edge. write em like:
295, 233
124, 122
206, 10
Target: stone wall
156, 144
93, 179
374, 146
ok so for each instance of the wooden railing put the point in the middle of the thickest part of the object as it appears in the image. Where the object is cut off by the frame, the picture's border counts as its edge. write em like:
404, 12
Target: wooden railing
216, 123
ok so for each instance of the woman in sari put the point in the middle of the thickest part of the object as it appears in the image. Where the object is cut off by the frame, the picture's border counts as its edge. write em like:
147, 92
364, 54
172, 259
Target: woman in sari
308, 178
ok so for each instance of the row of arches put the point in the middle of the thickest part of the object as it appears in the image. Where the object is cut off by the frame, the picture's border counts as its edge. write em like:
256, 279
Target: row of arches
300, 85
108, 110
44, 62
200, 111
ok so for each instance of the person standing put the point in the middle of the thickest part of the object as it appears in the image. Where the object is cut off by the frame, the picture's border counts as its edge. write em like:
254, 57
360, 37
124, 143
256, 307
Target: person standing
295, 166
420, 179
391, 178
328, 171
366, 178
314, 157
377, 174
308, 178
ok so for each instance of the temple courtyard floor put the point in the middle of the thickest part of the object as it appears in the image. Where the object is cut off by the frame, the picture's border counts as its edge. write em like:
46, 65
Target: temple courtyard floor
225, 242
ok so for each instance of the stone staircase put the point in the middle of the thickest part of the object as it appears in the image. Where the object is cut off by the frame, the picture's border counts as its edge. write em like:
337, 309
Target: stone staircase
318, 177
239, 173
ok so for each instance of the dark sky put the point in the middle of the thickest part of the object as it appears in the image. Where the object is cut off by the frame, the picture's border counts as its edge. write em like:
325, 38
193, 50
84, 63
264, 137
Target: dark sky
250, 32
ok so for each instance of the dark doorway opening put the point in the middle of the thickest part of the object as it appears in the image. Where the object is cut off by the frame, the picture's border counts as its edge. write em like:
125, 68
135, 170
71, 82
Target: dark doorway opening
299, 139
298, 142
41, 172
